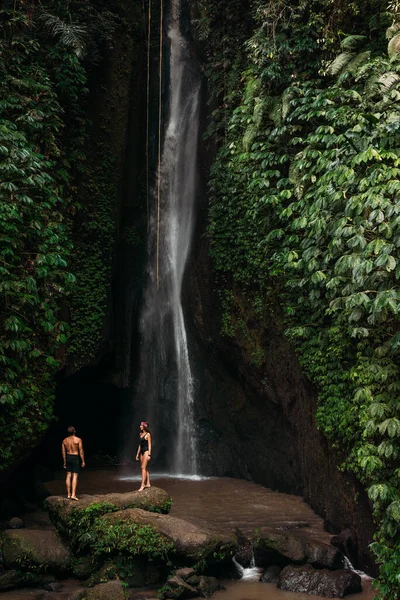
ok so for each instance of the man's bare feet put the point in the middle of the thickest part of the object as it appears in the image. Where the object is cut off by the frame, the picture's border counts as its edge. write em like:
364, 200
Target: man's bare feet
74, 498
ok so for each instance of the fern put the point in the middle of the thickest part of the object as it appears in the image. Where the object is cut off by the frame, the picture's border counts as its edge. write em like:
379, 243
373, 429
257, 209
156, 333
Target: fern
70, 34
394, 45
392, 30
352, 42
388, 80
340, 62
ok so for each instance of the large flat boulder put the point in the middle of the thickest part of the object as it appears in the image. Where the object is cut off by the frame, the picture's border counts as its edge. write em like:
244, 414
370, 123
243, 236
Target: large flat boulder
190, 541
320, 582
281, 547
34, 549
74, 519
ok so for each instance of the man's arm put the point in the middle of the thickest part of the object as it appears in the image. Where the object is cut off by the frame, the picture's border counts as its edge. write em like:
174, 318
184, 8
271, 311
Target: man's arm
64, 455
81, 454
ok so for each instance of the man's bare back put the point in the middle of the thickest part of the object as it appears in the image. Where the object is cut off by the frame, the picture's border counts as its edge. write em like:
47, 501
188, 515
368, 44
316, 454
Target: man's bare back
73, 445
73, 459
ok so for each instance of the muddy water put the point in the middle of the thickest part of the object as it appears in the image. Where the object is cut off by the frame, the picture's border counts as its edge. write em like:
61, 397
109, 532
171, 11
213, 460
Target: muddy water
220, 504
268, 591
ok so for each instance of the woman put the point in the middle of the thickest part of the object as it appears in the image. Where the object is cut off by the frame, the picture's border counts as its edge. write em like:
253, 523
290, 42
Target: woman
144, 450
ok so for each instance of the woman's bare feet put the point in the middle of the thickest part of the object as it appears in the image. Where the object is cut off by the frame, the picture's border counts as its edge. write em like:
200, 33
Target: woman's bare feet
74, 498
68, 497
146, 486
141, 489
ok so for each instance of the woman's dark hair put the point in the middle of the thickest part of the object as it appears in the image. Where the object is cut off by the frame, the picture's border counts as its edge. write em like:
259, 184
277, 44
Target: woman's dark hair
145, 426
71, 430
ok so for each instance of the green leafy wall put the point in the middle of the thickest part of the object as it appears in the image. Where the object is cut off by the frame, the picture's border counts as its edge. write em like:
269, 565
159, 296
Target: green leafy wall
61, 157
305, 210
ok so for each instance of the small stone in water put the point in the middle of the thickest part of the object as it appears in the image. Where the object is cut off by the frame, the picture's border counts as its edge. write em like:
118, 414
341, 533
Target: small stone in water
15, 523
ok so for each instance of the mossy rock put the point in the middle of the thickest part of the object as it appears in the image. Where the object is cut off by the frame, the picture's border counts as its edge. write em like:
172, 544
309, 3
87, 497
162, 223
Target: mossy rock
190, 541
112, 590
74, 519
35, 549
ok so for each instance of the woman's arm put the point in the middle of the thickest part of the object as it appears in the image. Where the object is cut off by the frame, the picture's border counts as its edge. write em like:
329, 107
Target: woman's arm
137, 453
149, 440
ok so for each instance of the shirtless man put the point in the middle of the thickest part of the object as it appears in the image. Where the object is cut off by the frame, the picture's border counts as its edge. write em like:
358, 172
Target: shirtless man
72, 453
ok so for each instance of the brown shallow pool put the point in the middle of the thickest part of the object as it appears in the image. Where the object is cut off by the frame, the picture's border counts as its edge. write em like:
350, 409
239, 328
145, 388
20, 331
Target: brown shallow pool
221, 504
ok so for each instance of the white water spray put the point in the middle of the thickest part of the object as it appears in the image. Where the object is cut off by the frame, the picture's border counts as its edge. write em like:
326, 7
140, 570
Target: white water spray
166, 387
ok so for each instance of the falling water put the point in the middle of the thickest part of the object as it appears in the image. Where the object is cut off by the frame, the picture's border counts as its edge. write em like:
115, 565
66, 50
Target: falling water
166, 387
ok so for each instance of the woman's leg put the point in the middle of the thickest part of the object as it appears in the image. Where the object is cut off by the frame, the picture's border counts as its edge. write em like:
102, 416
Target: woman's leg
147, 484
143, 468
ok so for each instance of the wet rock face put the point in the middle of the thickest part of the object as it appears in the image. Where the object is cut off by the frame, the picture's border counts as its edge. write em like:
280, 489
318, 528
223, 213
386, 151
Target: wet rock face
329, 584
283, 547
256, 420
186, 584
271, 574
245, 554
346, 541
37, 549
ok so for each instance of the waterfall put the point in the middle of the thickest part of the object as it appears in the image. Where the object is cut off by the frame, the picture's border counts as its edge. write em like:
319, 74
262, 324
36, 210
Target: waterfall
165, 391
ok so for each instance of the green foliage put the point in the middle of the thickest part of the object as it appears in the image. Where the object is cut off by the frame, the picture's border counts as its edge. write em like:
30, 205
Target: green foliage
35, 207
305, 201
113, 538
44, 136
130, 539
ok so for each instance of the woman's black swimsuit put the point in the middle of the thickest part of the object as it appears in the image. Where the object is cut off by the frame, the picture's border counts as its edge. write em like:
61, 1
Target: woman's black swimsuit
144, 445
73, 463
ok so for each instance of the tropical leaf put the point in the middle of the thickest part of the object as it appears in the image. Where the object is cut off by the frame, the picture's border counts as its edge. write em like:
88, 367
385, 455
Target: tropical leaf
340, 62
392, 30
352, 42
70, 34
388, 80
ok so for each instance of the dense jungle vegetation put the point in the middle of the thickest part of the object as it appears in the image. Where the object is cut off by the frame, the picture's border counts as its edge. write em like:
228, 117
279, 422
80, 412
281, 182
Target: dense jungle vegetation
56, 203
305, 207
305, 112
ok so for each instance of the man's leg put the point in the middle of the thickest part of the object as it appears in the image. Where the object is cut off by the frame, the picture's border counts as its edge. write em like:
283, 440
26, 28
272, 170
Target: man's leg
74, 485
68, 484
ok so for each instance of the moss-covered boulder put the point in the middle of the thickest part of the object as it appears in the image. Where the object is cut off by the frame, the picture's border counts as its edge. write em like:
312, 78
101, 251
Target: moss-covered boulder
74, 520
281, 547
35, 549
189, 540
112, 590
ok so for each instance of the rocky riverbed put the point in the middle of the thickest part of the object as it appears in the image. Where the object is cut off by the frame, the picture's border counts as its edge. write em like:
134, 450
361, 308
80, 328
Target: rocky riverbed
77, 549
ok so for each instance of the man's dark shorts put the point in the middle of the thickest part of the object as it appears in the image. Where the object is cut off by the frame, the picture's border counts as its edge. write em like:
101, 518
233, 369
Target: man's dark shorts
73, 463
